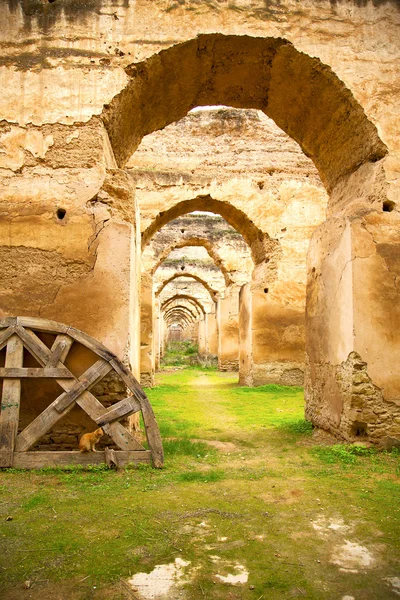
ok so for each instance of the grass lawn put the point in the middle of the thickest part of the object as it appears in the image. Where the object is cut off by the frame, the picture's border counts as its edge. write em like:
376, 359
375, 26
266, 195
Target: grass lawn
250, 505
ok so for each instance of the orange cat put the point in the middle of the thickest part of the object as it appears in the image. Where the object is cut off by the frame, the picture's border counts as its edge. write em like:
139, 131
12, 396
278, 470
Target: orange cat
88, 441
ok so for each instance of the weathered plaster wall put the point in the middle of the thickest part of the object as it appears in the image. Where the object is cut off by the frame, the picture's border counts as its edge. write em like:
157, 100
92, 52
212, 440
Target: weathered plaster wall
62, 61
239, 160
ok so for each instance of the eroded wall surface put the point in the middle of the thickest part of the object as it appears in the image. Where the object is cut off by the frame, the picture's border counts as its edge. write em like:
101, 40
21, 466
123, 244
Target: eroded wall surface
62, 61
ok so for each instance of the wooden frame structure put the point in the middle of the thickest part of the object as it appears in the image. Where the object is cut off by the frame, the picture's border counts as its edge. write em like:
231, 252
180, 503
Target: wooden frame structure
17, 333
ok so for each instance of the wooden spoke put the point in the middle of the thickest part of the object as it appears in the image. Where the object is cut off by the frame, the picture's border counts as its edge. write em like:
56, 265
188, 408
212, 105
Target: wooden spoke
23, 372
122, 409
59, 350
152, 431
89, 378
5, 335
10, 403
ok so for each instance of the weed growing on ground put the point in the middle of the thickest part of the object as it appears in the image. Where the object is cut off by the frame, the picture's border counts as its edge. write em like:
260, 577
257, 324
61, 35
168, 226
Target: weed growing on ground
244, 481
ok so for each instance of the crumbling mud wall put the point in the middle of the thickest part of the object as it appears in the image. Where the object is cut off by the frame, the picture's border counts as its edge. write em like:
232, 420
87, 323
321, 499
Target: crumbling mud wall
67, 246
240, 165
326, 72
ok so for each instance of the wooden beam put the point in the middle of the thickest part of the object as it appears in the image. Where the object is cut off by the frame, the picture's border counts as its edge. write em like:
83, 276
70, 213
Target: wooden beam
45, 325
23, 372
10, 403
122, 409
5, 335
111, 458
38, 460
150, 423
89, 378
8, 322
59, 350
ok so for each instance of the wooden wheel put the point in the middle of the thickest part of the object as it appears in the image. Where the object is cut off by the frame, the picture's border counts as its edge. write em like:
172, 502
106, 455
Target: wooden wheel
17, 333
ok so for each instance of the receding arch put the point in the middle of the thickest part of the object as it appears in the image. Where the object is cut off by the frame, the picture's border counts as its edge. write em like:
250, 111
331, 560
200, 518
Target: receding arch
180, 307
259, 242
202, 242
180, 317
192, 299
213, 293
301, 94
190, 306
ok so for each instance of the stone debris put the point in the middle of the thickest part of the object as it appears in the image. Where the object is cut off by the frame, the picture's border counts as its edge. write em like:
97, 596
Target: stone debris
161, 582
351, 556
395, 583
241, 576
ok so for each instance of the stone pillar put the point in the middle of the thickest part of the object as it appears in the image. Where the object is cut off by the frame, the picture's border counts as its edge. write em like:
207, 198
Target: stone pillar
202, 336
157, 327
228, 346
212, 333
245, 336
353, 318
146, 330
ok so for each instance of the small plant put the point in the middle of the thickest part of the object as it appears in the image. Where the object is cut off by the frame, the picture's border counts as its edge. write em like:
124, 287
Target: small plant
187, 448
297, 427
202, 476
341, 453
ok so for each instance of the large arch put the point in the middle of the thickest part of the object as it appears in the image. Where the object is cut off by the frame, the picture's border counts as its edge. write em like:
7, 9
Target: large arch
308, 101
302, 95
259, 242
202, 242
180, 308
191, 299
213, 293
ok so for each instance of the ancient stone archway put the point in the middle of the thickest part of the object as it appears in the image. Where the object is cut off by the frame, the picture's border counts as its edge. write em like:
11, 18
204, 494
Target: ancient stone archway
213, 293
260, 243
309, 102
301, 94
200, 242
190, 299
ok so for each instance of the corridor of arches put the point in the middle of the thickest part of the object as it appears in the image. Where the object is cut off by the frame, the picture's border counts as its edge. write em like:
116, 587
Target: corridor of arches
272, 140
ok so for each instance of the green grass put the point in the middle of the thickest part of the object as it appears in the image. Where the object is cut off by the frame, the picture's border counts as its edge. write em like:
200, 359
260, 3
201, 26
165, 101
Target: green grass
185, 354
241, 464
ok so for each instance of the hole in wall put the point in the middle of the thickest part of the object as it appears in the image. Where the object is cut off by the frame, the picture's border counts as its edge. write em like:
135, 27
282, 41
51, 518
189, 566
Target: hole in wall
266, 290
359, 429
267, 260
51, 1
388, 206
61, 212
182, 268
182, 231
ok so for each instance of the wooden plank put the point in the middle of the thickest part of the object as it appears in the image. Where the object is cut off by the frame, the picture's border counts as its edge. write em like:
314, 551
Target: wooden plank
59, 350
8, 322
44, 325
89, 378
5, 335
91, 343
122, 409
111, 458
38, 460
10, 402
24, 372
35, 345
150, 423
